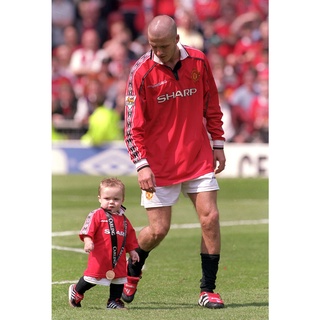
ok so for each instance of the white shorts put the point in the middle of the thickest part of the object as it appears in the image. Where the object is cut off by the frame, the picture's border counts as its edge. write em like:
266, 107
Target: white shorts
168, 196
105, 281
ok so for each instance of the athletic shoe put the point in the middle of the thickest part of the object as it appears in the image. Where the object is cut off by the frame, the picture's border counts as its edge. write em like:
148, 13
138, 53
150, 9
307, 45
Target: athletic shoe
130, 289
210, 300
74, 297
115, 304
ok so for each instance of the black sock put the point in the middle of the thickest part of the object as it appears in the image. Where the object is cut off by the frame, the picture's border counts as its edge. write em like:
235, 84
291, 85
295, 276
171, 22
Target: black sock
209, 266
115, 291
82, 286
134, 270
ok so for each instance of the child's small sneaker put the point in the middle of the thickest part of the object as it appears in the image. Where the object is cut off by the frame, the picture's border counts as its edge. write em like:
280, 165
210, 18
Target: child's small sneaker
130, 288
115, 304
74, 297
210, 300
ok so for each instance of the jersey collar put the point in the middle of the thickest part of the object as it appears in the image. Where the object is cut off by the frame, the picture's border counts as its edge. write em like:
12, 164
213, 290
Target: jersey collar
183, 54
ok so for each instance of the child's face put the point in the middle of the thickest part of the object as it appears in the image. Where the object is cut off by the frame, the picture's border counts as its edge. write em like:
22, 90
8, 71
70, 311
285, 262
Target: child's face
111, 198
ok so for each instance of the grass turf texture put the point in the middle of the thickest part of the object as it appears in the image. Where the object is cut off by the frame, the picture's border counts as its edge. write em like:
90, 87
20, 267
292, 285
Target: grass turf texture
169, 288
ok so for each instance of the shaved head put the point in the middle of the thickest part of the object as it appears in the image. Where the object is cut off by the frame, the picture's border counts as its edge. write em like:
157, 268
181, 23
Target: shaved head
162, 26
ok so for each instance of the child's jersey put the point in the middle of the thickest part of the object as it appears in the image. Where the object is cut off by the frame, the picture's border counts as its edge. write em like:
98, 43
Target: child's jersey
96, 226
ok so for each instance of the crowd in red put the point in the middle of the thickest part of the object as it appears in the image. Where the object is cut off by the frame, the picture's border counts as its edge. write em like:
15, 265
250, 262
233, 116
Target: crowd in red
95, 43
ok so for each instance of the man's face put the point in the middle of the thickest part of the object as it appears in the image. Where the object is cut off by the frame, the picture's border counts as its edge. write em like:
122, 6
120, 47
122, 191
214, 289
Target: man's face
164, 48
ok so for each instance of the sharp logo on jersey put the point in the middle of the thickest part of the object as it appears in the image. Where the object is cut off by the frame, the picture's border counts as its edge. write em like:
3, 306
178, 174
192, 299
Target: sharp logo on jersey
195, 75
173, 95
130, 100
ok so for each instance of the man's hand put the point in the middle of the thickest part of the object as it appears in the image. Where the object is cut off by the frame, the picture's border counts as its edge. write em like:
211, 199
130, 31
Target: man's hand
220, 158
146, 180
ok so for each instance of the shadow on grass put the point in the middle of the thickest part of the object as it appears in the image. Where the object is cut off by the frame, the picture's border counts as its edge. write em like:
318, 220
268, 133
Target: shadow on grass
253, 304
170, 306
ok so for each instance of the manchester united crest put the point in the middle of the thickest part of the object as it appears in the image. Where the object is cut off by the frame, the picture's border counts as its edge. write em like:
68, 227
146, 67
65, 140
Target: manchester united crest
195, 75
149, 195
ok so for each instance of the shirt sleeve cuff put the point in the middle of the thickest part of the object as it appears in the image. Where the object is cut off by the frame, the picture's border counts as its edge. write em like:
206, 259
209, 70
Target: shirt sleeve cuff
141, 163
218, 144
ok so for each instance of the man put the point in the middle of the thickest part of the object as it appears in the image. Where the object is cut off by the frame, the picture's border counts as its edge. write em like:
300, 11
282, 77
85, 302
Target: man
171, 105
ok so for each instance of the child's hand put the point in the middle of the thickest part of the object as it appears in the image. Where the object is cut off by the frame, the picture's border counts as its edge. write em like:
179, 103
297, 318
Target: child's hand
134, 256
88, 245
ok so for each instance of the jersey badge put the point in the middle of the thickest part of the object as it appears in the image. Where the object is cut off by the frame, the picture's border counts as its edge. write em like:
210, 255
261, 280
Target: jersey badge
130, 100
195, 75
149, 195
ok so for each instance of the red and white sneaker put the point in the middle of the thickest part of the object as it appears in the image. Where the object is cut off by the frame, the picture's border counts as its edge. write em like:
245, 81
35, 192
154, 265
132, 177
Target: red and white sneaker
210, 300
130, 288
74, 297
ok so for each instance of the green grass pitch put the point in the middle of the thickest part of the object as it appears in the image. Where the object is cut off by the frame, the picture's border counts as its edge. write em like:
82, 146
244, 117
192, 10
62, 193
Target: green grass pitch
169, 288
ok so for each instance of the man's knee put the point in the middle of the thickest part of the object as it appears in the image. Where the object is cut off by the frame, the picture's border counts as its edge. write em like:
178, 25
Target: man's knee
160, 232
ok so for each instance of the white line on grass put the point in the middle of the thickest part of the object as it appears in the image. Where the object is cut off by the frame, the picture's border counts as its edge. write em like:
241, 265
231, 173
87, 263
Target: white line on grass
173, 226
182, 226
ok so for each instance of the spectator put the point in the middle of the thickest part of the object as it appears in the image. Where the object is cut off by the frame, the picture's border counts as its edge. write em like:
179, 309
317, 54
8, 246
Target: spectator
89, 17
118, 99
107, 7
65, 105
87, 59
63, 55
225, 38
247, 47
63, 111
63, 15
240, 101
55, 135
261, 59
133, 15
58, 77
94, 96
167, 7
91, 97
235, 38
103, 126
186, 27
106, 77
259, 111
71, 38
205, 9
225, 106
103, 122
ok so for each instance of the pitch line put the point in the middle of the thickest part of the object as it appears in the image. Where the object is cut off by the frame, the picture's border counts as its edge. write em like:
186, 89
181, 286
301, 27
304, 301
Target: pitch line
173, 226
181, 226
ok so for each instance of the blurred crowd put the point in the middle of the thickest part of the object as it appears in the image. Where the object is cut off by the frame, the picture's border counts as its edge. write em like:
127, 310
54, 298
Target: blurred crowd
95, 43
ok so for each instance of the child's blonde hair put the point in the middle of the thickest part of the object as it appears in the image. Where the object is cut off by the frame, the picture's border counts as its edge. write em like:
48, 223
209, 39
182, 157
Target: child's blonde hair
112, 182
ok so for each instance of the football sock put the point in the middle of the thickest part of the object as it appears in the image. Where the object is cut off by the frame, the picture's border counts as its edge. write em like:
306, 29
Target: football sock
82, 286
209, 265
134, 270
115, 291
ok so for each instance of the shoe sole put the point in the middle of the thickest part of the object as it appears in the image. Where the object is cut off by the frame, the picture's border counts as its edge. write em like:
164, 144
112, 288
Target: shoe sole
69, 294
215, 306
211, 305
127, 299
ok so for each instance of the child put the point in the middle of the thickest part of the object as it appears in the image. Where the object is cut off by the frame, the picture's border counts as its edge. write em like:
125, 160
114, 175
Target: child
104, 229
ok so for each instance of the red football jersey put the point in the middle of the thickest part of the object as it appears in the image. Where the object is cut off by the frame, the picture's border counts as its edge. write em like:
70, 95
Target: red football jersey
169, 114
97, 228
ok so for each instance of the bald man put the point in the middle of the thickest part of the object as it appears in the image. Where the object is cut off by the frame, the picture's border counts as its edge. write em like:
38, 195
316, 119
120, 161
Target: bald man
171, 106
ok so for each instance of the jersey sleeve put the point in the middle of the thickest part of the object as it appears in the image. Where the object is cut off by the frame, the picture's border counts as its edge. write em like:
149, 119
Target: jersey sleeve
134, 119
89, 227
212, 111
